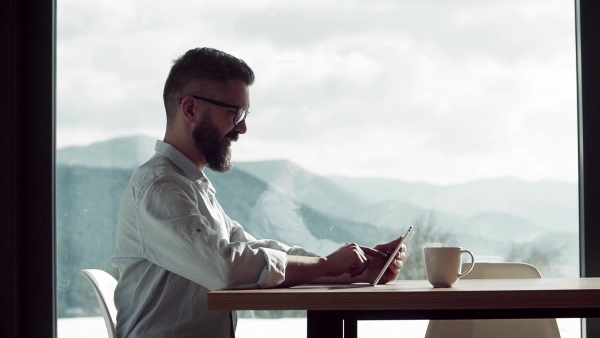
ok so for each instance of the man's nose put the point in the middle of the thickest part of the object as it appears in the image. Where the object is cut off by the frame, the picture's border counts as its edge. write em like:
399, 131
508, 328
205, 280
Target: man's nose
241, 128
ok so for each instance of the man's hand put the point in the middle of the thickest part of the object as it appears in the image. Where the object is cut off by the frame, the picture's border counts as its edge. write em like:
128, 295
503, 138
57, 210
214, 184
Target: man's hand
393, 271
377, 263
350, 258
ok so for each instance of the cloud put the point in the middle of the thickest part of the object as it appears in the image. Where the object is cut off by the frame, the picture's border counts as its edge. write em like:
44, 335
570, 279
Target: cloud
396, 89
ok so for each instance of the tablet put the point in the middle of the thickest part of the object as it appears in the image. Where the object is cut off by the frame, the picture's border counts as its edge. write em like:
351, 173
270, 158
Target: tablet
392, 255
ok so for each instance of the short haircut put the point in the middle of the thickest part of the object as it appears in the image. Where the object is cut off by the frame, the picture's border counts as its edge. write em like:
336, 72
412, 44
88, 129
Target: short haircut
200, 66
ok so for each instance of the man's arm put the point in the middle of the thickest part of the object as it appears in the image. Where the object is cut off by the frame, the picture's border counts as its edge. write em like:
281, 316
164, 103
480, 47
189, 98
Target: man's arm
302, 269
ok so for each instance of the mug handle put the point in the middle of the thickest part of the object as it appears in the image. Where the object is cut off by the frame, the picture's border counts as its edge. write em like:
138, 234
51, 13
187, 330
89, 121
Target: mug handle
470, 266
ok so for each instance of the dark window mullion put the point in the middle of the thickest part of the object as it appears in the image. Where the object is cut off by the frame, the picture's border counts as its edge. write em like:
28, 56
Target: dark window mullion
27, 61
588, 99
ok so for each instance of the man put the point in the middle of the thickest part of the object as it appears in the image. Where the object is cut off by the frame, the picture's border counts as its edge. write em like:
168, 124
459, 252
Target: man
175, 242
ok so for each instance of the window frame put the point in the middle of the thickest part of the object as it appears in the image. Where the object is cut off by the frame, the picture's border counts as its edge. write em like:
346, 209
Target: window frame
587, 24
27, 94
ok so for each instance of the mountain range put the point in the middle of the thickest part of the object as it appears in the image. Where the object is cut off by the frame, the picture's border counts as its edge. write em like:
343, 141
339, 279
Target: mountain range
543, 205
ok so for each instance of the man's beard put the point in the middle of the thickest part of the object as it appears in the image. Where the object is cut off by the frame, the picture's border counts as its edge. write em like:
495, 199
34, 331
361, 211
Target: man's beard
216, 151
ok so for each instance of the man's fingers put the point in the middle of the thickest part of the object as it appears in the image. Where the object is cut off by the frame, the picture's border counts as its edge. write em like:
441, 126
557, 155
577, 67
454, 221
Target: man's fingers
361, 261
398, 263
389, 246
359, 267
373, 252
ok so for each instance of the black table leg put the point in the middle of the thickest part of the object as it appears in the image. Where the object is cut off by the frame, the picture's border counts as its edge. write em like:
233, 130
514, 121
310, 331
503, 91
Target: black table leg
350, 328
324, 324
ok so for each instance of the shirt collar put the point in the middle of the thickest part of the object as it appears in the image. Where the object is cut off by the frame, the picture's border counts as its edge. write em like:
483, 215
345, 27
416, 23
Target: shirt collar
179, 159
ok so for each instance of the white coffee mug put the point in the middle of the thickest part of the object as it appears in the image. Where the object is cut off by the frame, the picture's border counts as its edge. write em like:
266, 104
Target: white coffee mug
442, 265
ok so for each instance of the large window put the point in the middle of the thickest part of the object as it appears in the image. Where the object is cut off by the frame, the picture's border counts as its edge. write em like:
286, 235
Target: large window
457, 117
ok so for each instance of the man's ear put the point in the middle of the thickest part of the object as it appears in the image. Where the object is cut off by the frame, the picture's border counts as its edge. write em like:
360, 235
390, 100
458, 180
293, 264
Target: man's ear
188, 110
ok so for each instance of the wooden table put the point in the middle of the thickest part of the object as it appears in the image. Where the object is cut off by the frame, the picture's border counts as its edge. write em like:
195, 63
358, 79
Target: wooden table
333, 310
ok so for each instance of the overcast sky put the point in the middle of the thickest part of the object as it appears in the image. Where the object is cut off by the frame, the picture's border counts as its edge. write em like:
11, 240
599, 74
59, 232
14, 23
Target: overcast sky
434, 91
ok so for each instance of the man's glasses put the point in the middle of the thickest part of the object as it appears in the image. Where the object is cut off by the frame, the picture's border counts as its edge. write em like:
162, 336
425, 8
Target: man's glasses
240, 113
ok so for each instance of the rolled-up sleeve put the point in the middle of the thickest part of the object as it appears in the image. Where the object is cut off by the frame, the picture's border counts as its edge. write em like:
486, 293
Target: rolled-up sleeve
274, 271
275, 252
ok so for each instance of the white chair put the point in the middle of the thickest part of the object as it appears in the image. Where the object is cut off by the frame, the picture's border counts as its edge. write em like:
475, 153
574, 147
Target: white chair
513, 328
104, 286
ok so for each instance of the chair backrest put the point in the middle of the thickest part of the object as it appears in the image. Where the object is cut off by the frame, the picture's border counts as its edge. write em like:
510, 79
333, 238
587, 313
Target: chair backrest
514, 328
501, 271
104, 287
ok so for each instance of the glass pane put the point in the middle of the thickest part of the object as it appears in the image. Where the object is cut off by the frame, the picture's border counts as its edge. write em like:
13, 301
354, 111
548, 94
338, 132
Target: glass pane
458, 117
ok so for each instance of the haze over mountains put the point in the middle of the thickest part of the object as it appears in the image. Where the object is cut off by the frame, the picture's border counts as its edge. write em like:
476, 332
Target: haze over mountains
505, 217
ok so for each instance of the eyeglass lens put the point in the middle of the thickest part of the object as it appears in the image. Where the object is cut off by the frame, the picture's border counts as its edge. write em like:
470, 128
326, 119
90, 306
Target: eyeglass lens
240, 116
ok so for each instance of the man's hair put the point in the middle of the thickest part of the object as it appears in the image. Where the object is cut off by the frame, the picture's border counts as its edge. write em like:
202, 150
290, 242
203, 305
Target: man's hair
198, 67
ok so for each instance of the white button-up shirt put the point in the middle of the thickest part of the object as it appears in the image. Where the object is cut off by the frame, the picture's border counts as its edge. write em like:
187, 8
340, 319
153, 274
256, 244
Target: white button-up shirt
174, 244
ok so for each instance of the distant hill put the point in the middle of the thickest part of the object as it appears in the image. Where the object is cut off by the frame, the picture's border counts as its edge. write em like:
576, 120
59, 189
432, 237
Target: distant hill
552, 206
123, 152
312, 190
531, 207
